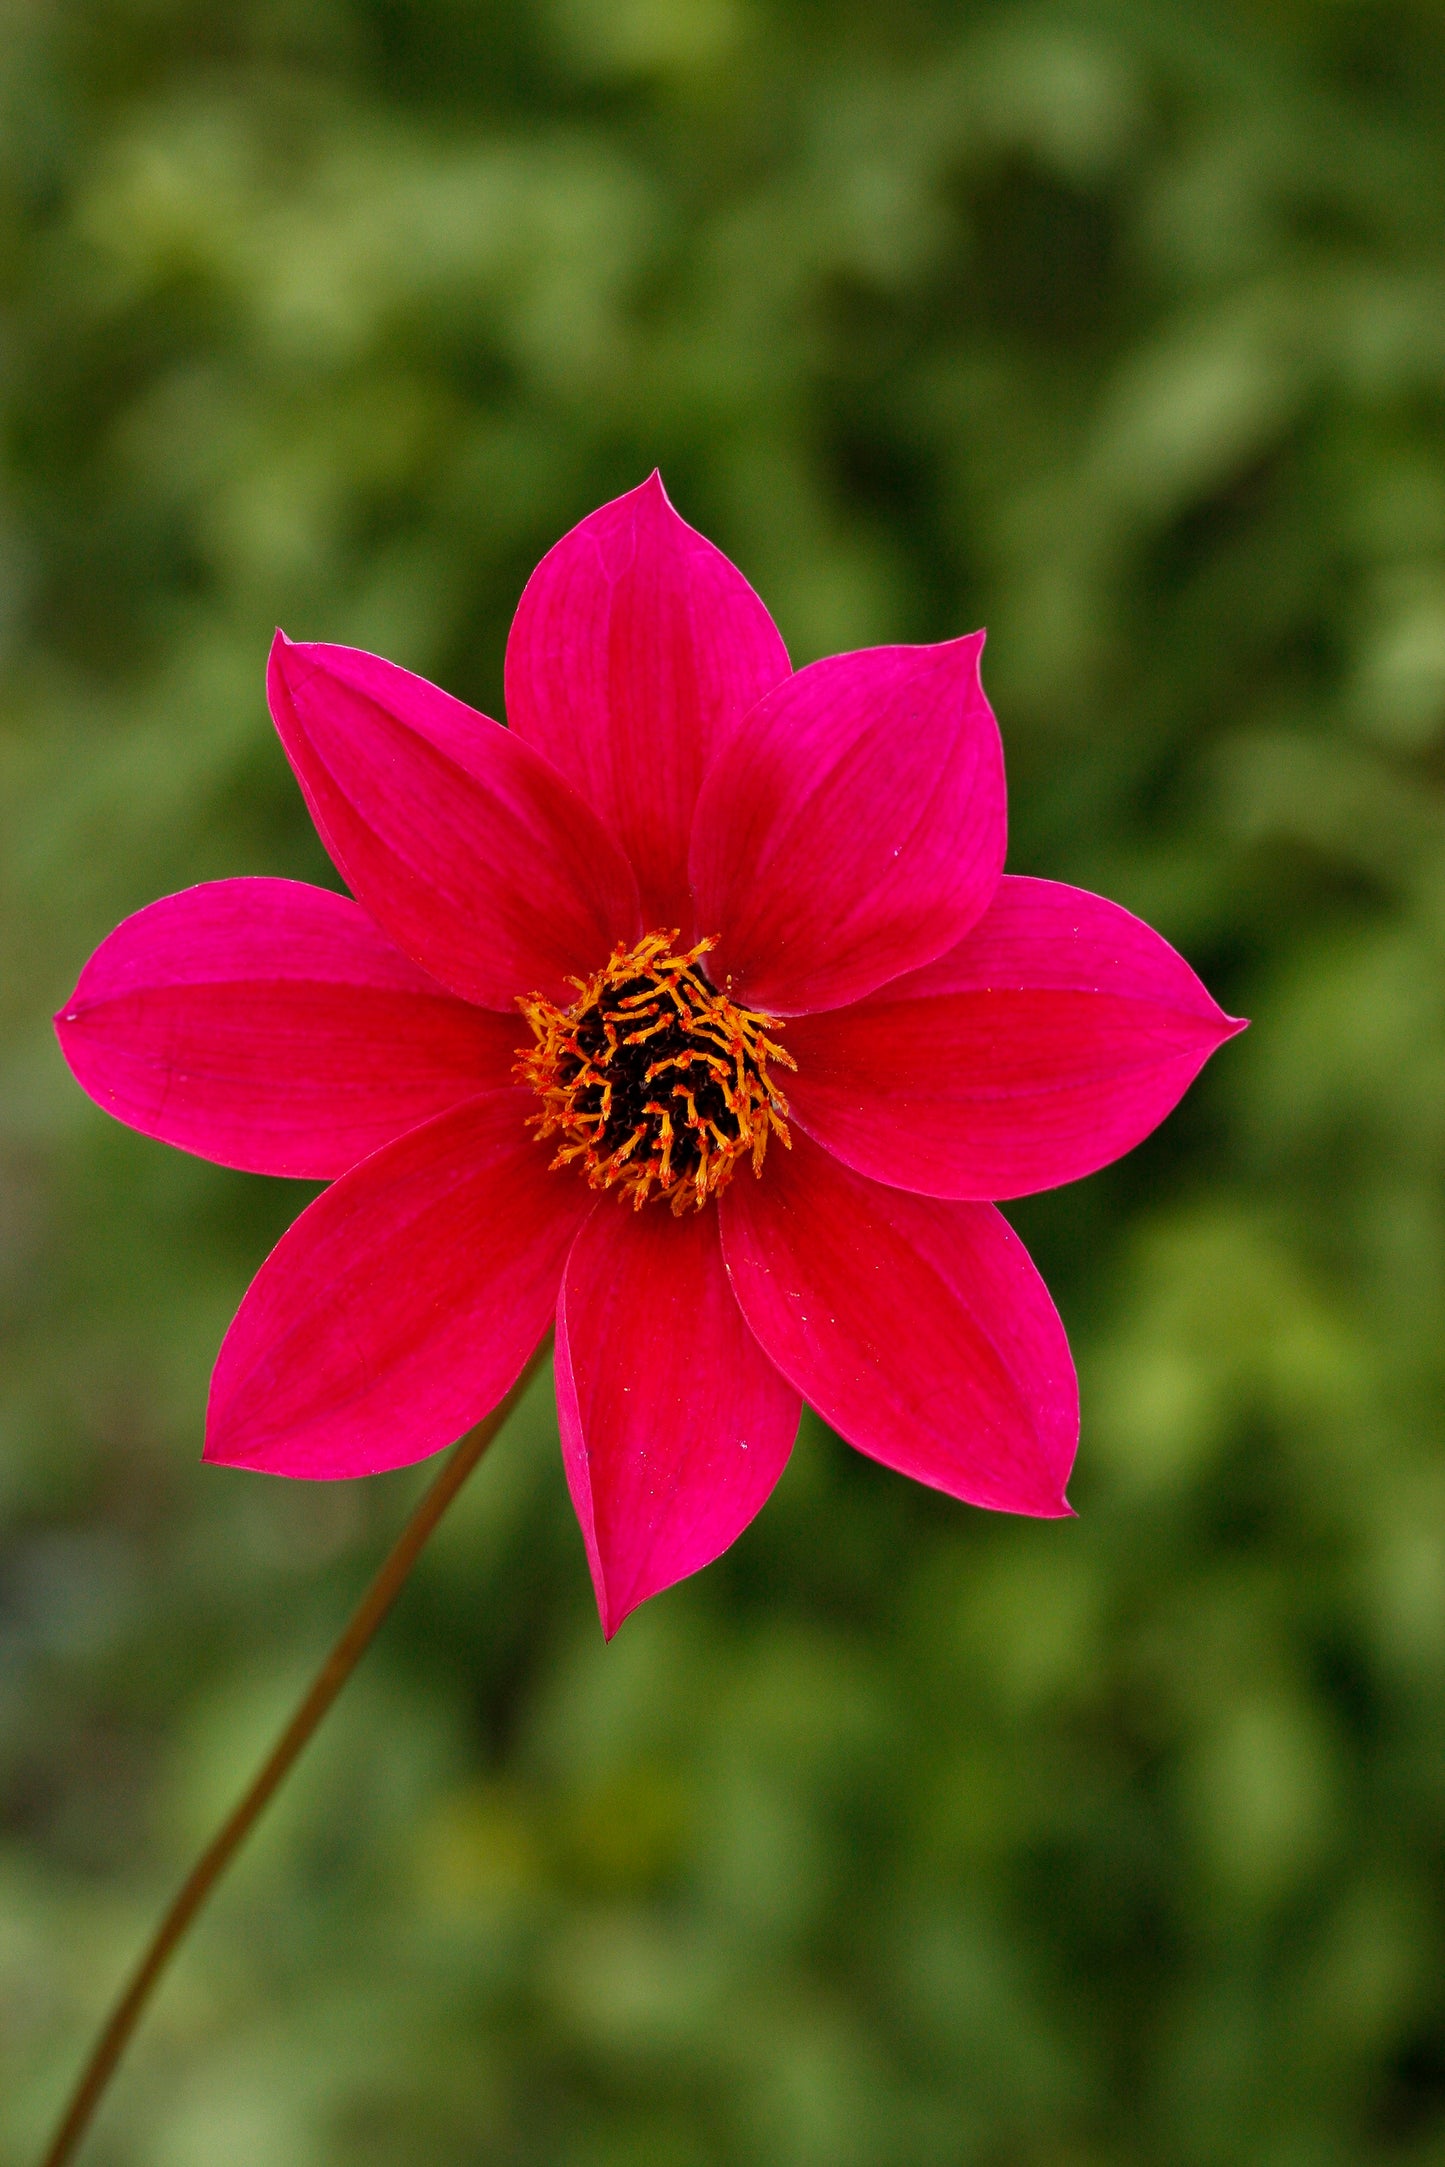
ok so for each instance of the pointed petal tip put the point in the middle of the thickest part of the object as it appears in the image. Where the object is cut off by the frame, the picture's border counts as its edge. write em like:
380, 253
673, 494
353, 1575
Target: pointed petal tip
1038, 1503
650, 494
610, 1614
218, 1449
214, 1454
1223, 1027
297, 662
614, 1615
287, 657
63, 1022
277, 672
963, 649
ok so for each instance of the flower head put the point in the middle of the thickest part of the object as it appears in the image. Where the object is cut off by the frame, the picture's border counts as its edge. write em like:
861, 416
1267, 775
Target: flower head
692, 1011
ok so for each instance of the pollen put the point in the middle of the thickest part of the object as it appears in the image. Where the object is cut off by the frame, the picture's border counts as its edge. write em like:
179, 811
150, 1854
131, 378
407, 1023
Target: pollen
654, 1082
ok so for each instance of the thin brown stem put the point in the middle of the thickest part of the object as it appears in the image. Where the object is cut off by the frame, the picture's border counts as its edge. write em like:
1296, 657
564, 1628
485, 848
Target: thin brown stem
217, 1856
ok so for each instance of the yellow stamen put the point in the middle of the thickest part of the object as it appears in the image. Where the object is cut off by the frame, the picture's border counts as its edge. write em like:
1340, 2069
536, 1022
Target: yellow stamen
654, 1082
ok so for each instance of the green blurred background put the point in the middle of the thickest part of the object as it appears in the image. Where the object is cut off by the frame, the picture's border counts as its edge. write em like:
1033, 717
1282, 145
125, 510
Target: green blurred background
906, 1836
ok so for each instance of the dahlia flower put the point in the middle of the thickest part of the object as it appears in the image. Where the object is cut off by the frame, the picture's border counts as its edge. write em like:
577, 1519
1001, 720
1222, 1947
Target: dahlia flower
692, 1010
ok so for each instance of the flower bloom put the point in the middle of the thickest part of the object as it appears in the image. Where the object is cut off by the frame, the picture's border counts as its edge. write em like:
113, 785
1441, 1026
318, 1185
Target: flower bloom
692, 1010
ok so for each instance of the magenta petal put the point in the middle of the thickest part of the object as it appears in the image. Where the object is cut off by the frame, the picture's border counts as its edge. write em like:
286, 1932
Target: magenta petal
919, 1329
464, 844
402, 1304
270, 1026
1054, 1036
675, 1426
635, 650
852, 828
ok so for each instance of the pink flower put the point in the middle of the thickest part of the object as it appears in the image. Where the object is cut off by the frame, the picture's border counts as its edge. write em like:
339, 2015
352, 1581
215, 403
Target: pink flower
697, 935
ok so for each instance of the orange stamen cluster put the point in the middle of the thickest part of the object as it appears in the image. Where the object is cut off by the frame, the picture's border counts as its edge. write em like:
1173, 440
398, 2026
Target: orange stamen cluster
656, 1083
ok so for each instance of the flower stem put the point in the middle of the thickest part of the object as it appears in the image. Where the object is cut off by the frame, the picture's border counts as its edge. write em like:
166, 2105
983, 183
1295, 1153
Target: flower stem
227, 1841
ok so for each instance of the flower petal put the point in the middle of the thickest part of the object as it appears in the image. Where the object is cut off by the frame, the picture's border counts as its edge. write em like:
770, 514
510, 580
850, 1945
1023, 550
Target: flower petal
270, 1026
636, 649
401, 1305
675, 1425
463, 844
919, 1329
1056, 1034
852, 828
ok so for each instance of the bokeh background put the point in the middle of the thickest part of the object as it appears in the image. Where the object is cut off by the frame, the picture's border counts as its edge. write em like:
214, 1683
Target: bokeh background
906, 1836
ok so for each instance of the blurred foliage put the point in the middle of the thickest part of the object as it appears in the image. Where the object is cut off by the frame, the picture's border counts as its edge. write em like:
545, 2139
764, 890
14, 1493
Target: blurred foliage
906, 1836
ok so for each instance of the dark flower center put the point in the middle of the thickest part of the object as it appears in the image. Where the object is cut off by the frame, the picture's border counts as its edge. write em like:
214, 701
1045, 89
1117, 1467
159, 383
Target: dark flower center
656, 1083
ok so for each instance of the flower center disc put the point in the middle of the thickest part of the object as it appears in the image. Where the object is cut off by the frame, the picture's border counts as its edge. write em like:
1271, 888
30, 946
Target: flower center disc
656, 1083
